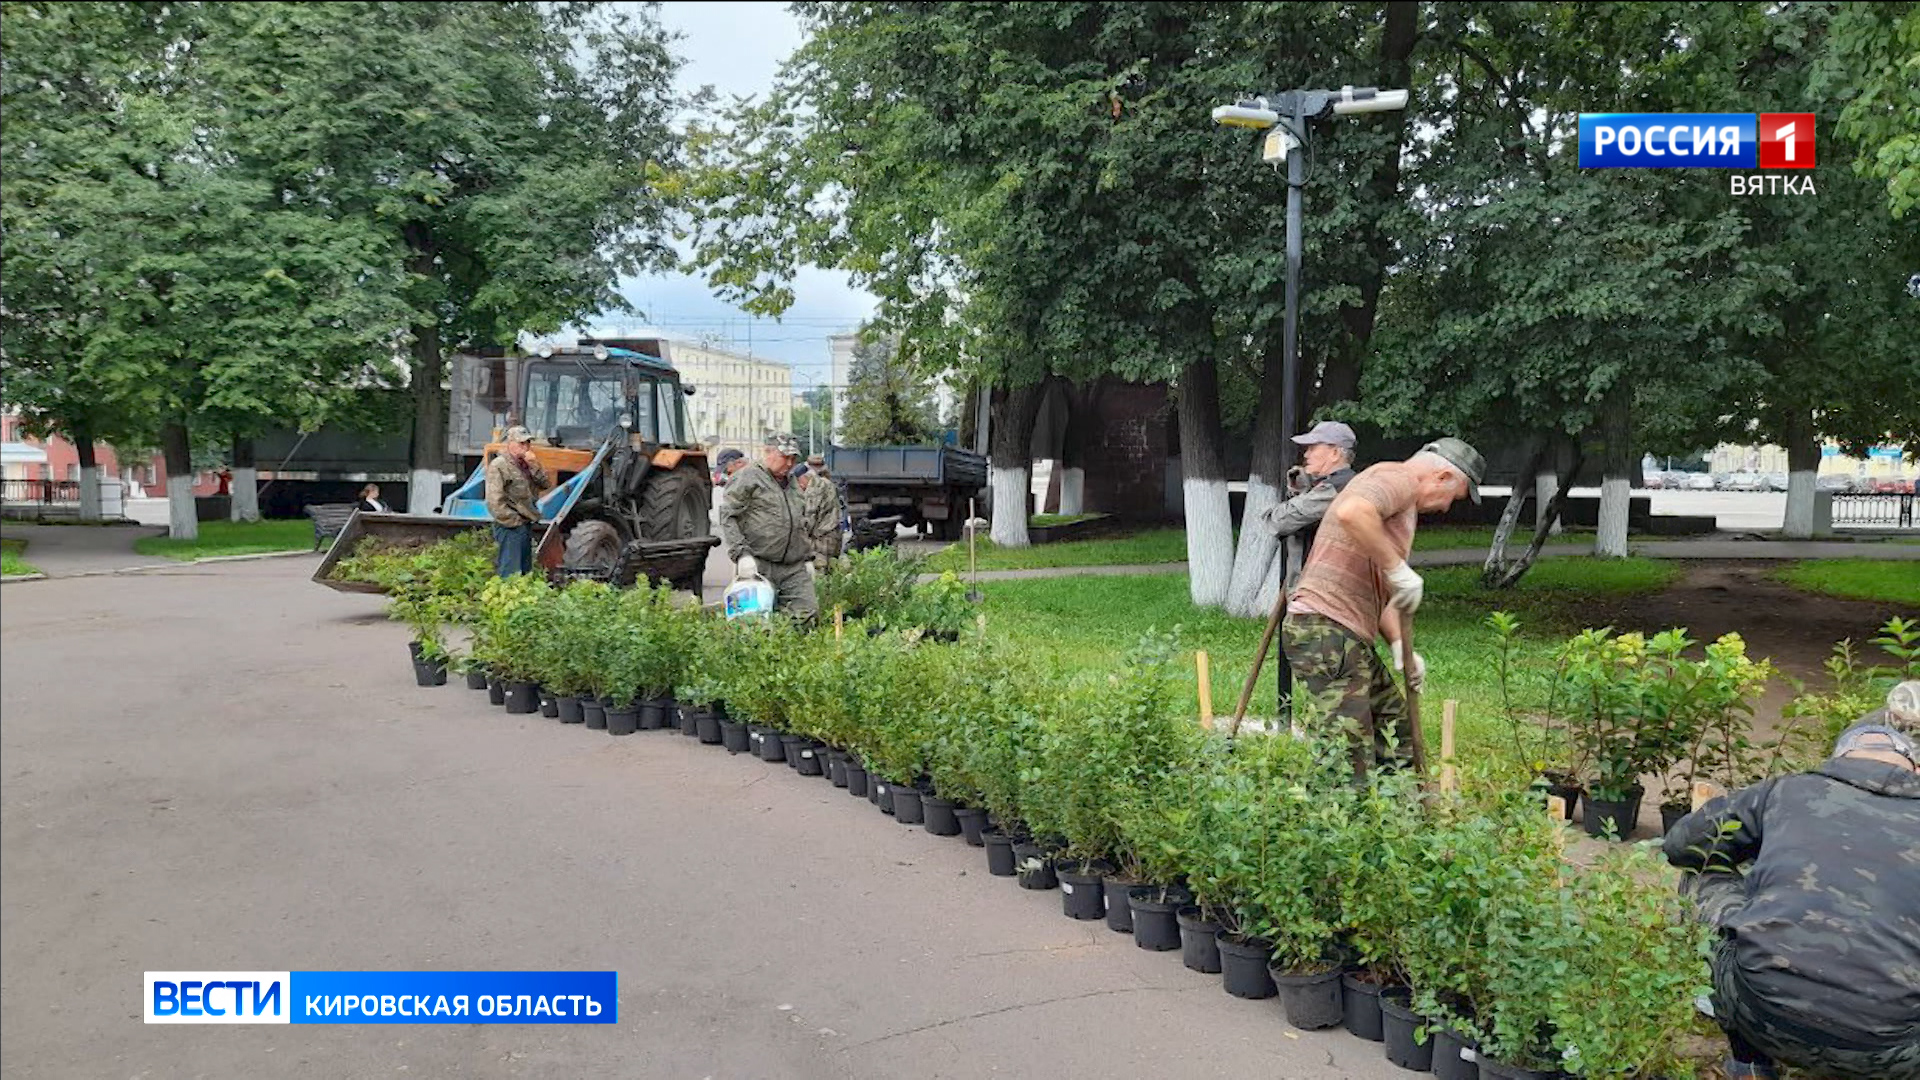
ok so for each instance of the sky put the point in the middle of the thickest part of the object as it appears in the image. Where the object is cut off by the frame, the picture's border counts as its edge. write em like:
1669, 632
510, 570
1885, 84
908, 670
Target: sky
737, 48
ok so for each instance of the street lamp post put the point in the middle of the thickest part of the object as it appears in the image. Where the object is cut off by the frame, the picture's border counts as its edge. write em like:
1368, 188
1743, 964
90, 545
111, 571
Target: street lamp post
1284, 118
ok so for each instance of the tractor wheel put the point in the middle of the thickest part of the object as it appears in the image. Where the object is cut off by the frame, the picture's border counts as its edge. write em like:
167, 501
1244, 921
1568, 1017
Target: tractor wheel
676, 505
595, 545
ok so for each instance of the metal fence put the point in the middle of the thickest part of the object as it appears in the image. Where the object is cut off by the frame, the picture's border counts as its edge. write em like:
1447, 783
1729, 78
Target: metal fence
1873, 510
40, 491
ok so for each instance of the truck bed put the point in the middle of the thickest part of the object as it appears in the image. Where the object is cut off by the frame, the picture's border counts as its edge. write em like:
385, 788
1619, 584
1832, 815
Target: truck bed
908, 466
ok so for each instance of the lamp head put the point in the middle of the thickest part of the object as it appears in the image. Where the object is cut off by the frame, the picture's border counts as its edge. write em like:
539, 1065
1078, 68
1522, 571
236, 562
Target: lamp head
1246, 114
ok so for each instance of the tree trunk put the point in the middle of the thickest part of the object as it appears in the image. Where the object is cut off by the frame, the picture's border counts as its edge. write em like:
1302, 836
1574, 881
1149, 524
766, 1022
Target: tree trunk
1076, 448
428, 454
89, 473
1546, 485
245, 502
1616, 484
1010, 461
1803, 464
1563, 484
1496, 564
1204, 485
183, 522
1256, 572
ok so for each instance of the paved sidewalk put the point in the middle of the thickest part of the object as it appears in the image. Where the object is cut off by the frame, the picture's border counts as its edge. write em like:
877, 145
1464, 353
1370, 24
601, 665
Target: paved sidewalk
68, 550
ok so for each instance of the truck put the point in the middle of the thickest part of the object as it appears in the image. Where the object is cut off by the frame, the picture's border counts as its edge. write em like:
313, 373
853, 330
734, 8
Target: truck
632, 495
918, 484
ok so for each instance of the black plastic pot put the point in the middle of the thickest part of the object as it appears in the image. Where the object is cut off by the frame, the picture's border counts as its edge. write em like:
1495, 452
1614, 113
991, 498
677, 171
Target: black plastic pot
972, 822
733, 736
1494, 1070
1156, 928
570, 711
523, 698
594, 714
1449, 1056
768, 742
1670, 815
623, 721
1119, 912
856, 778
1083, 895
429, 673
790, 750
909, 806
1034, 867
1568, 790
496, 691
652, 717
999, 853
837, 769
1361, 1001
1199, 940
882, 793
476, 679
1243, 966
939, 816
689, 718
807, 760
1312, 1001
1621, 812
709, 729
1399, 1022
549, 704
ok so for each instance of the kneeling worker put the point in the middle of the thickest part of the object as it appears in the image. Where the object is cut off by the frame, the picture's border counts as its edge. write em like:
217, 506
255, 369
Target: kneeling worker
764, 523
1818, 961
1357, 584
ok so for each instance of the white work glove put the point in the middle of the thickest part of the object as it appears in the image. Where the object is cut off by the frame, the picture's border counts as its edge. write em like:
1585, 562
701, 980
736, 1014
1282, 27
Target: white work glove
1415, 672
1407, 588
744, 566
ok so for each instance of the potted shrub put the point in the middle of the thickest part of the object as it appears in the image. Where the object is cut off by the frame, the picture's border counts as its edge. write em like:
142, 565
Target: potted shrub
1618, 721
1375, 851
1295, 903
1536, 739
1722, 688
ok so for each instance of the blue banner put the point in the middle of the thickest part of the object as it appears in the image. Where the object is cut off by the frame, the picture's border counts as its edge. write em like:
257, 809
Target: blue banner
1669, 141
454, 997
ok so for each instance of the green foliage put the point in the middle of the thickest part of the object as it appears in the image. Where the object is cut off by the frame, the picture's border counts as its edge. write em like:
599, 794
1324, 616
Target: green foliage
508, 625
1872, 64
1853, 689
879, 586
1860, 579
887, 402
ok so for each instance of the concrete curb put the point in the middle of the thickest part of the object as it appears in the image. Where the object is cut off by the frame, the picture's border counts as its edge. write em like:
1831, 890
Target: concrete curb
12, 578
250, 558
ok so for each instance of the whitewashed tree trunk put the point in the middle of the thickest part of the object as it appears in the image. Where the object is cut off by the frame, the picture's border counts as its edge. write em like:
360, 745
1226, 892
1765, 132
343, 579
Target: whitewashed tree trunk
1615, 496
1803, 463
423, 491
183, 523
1545, 484
1209, 539
245, 504
1073, 490
1255, 572
90, 493
1009, 486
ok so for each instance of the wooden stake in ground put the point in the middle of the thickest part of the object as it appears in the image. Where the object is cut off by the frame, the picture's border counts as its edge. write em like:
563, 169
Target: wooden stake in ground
839, 621
1206, 689
1449, 776
1413, 700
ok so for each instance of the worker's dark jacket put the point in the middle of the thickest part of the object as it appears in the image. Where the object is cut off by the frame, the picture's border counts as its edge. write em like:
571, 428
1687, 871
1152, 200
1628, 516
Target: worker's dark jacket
765, 517
1829, 934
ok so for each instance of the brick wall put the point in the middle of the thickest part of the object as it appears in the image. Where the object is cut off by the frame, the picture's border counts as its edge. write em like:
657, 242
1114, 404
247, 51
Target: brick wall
1131, 440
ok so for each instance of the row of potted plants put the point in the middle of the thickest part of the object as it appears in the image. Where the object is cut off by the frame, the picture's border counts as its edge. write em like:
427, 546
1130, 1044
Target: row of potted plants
1433, 924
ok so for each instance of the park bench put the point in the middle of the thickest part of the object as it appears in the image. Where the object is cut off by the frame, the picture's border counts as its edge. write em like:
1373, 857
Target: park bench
328, 520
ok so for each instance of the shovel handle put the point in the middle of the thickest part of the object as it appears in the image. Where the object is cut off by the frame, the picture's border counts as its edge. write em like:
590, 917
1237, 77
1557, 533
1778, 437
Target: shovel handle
1413, 700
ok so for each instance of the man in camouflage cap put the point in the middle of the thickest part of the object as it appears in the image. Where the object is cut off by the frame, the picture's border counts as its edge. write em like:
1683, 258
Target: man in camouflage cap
822, 497
514, 482
764, 523
1818, 959
1357, 587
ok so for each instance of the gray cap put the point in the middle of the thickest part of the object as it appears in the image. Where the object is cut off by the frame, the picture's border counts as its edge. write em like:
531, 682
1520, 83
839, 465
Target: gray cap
1852, 738
786, 444
1463, 457
516, 433
1330, 432
727, 457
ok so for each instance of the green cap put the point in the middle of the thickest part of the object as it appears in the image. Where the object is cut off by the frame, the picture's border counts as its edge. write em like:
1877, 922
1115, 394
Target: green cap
1463, 457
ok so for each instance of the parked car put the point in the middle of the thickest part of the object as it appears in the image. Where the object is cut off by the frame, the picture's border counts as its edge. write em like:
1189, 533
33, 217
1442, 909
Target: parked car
1833, 482
1700, 482
1654, 480
1745, 481
1776, 481
1892, 485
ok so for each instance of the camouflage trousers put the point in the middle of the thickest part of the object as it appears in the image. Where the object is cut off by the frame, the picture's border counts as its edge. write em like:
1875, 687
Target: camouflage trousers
1753, 1024
1351, 688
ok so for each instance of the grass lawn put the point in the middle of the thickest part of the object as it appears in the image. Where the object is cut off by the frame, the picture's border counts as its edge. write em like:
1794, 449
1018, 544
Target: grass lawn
1154, 546
1480, 538
1038, 520
1862, 579
11, 561
232, 538
1093, 622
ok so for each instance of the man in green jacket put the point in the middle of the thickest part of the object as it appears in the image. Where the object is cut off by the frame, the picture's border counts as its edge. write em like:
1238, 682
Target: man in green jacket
765, 525
822, 498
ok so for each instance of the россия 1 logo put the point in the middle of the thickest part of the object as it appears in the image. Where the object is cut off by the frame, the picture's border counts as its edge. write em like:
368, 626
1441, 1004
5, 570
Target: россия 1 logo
1704, 141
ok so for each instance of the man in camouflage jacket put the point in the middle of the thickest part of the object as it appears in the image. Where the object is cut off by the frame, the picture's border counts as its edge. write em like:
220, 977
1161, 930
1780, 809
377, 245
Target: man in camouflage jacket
764, 524
1818, 960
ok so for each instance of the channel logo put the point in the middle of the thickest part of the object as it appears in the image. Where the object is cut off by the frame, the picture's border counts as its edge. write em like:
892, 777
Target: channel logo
382, 997
1696, 141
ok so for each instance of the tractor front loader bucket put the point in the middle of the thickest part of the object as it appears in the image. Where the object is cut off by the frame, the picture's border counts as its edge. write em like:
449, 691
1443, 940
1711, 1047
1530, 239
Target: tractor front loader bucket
396, 530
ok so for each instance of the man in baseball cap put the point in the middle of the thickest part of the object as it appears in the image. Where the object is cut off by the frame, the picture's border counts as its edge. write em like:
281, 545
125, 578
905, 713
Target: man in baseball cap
1357, 587
764, 523
1814, 964
1325, 470
514, 481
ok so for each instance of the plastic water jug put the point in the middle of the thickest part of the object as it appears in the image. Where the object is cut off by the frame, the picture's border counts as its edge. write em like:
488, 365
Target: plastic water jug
749, 597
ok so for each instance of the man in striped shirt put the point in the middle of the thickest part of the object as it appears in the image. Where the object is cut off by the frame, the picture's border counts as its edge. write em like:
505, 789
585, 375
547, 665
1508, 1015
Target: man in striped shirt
1357, 586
